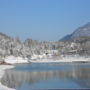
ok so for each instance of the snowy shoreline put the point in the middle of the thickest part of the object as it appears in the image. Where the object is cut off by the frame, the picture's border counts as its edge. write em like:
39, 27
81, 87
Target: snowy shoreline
12, 60
66, 59
2, 70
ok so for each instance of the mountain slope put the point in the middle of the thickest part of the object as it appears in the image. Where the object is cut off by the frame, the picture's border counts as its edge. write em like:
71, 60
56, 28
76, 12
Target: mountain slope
83, 31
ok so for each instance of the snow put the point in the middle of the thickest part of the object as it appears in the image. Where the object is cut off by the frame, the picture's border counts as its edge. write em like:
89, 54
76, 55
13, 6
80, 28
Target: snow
38, 56
76, 59
13, 60
2, 68
65, 59
42, 59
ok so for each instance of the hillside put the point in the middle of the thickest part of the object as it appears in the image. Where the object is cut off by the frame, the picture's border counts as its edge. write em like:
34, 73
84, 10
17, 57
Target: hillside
78, 43
83, 31
15, 47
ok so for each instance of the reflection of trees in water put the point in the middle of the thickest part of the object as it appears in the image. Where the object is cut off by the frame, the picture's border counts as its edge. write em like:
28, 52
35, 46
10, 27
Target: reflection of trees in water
82, 77
14, 78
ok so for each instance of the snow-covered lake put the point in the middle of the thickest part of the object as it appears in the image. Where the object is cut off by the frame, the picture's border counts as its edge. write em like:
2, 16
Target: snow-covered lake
48, 76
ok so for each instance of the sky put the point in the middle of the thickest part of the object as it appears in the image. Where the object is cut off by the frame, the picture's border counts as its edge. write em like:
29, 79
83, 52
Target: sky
48, 20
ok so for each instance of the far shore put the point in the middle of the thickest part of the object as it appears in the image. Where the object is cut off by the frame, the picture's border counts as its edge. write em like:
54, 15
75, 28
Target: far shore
10, 60
66, 59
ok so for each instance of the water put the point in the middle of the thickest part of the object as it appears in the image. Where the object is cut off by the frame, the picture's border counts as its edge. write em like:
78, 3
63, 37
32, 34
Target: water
48, 76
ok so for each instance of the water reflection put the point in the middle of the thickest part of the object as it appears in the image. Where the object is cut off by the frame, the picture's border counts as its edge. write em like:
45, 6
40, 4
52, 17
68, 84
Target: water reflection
15, 78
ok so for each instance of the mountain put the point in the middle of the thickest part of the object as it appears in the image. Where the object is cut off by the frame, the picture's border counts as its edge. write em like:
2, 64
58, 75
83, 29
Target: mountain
2, 35
83, 31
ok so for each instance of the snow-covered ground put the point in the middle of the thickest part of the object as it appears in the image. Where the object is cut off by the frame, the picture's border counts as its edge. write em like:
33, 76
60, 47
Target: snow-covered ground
65, 59
2, 69
13, 60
